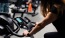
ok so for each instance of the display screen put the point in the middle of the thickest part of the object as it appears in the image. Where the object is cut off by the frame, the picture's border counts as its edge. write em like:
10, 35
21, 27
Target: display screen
18, 19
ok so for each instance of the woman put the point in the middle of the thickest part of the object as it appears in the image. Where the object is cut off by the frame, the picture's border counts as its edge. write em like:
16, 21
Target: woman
54, 12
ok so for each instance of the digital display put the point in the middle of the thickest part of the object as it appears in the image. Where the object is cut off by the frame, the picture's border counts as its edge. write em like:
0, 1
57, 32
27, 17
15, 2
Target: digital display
18, 19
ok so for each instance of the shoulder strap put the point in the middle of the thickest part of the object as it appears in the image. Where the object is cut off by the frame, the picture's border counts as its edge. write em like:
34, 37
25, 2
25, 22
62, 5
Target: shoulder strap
57, 11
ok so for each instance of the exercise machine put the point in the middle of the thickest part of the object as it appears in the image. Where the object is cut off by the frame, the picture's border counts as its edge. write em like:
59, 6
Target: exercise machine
25, 22
7, 26
18, 4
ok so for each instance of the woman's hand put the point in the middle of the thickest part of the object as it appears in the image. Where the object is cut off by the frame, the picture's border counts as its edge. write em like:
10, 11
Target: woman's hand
25, 33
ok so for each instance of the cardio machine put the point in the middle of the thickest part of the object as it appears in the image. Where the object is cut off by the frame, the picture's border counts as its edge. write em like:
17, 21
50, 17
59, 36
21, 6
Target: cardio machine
21, 20
7, 26
25, 22
18, 6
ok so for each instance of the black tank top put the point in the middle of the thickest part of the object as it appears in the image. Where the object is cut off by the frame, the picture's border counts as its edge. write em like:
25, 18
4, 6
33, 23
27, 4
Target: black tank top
59, 23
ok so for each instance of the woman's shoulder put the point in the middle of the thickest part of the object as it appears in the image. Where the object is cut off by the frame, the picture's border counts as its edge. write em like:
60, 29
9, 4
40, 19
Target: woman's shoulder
53, 9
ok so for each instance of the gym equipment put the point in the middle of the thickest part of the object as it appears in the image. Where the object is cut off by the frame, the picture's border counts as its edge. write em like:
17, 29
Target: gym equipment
7, 26
18, 6
35, 4
25, 22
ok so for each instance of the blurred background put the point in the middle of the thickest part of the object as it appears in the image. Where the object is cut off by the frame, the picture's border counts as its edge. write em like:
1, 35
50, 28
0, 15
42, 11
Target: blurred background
37, 18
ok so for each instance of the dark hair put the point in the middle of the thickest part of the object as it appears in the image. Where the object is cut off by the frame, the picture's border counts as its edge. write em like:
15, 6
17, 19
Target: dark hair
46, 3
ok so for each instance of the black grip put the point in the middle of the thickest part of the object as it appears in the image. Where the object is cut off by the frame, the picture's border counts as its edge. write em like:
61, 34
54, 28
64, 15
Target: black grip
27, 19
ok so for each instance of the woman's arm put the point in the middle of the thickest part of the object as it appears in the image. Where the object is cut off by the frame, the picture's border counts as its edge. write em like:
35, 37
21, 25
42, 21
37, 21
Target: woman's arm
48, 19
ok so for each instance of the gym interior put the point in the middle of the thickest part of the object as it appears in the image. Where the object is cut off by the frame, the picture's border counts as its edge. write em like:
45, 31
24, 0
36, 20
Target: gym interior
34, 16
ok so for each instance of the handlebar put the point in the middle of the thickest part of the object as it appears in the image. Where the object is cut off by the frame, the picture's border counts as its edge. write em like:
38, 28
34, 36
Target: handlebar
8, 25
8, 22
17, 29
14, 32
17, 34
27, 19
